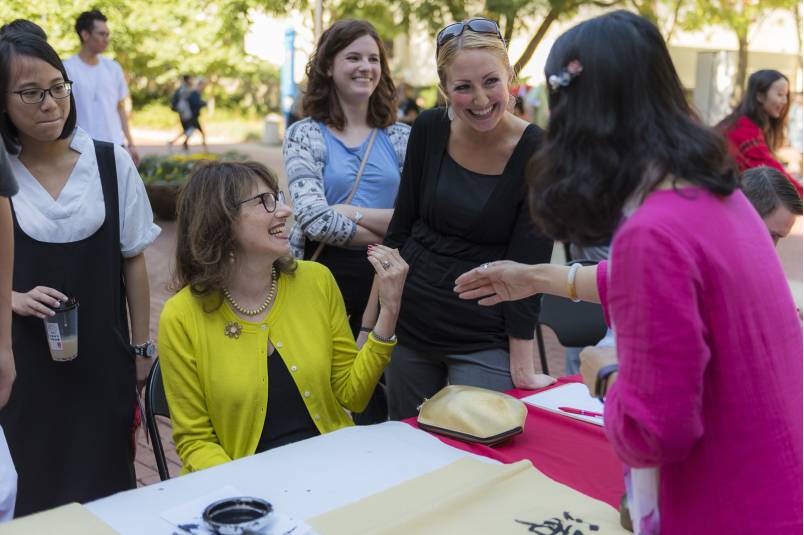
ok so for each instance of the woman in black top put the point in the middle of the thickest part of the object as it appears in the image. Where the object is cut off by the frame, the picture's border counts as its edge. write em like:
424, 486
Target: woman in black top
461, 203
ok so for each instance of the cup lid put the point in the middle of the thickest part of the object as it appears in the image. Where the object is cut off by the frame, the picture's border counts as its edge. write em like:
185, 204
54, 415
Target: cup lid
69, 304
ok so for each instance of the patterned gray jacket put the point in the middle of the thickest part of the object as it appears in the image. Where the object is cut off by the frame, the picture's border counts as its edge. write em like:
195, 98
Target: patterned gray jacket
305, 154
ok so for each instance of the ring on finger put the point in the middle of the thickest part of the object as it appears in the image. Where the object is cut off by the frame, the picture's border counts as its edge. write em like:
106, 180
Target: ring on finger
485, 266
386, 264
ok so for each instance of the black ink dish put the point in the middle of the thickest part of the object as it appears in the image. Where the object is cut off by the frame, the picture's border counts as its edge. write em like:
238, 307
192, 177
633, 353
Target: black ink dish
236, 516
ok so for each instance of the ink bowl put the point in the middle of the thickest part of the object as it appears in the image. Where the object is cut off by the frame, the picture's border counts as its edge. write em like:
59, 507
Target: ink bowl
243, 515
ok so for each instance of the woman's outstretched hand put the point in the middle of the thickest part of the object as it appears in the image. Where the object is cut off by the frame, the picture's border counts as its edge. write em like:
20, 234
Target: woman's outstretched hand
391, 271
496, 282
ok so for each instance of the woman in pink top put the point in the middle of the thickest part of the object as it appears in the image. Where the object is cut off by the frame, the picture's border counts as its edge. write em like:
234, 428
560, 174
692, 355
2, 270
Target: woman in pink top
708, 393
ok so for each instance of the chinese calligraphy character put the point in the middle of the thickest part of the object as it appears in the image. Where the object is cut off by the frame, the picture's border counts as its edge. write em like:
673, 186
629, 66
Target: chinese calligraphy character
559, 526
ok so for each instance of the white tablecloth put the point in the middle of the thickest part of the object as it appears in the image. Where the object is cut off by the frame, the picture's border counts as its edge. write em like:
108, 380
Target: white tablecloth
303, 479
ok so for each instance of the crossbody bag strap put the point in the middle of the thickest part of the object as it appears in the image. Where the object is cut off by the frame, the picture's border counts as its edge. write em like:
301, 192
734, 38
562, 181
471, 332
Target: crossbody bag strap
356, 183
363, 162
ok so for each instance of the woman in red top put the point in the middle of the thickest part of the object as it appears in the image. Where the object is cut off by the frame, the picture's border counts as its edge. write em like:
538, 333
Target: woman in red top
755, 129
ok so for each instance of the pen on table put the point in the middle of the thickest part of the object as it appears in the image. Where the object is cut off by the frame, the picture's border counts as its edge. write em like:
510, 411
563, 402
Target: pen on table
580, 412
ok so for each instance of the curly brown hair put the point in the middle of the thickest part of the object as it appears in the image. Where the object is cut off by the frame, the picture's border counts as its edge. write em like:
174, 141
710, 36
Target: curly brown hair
321, 101
207, 208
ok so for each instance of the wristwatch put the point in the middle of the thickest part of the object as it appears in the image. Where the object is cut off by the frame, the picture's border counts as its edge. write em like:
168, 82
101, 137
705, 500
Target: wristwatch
357, 216
146, 350
602, 380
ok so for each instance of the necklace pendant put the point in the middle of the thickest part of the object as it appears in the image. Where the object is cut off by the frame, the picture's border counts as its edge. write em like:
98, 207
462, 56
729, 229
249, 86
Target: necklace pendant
233, 329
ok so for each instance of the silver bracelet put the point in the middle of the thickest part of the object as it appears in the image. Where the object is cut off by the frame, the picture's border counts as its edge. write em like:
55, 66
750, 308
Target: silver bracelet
383, 339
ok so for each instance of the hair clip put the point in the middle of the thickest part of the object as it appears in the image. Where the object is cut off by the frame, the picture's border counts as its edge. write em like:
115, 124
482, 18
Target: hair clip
563, 79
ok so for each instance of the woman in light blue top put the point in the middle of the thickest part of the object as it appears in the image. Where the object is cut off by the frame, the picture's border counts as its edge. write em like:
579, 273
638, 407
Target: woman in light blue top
350, 94
351, 110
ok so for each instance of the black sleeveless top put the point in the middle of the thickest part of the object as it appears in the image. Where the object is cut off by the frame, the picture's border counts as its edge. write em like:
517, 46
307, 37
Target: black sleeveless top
68, 424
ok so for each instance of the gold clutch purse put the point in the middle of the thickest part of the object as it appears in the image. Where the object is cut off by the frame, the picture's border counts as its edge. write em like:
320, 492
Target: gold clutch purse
473, 414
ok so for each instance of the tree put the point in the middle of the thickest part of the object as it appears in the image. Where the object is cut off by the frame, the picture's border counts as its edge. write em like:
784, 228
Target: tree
393, 18
738, 16
389, 18
511, 14
156, 42
665, 14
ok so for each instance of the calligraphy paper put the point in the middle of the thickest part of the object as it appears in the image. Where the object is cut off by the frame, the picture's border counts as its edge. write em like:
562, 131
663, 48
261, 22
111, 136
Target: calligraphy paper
470, 496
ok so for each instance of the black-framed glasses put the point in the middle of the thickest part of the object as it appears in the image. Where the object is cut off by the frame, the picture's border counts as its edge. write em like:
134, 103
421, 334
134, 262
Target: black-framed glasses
35, 95
478, 25
269, 200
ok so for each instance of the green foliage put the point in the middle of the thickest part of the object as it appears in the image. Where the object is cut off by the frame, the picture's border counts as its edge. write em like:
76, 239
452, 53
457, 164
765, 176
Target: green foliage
429, 95
157, 42
175, 169
737, 15
156, 115
388, 18
512, 15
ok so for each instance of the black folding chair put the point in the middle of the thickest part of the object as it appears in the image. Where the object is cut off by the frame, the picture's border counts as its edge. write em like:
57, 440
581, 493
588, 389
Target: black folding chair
156, 405
575, 324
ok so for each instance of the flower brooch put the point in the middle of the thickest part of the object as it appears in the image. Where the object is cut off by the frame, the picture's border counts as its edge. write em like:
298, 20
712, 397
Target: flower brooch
233, 329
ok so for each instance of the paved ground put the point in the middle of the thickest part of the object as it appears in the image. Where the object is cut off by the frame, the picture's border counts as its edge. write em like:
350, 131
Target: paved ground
160, 258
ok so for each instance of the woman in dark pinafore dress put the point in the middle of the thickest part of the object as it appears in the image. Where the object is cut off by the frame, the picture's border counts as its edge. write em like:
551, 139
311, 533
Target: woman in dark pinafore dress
81, 221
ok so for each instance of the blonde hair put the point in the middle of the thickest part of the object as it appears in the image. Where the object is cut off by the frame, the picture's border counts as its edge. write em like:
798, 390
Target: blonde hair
470, 40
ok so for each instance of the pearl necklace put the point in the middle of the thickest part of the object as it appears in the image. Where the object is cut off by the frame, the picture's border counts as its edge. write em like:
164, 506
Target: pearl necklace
262, 307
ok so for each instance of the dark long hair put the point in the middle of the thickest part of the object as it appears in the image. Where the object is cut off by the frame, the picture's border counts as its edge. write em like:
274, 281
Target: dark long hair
16, 43
23, 25
619, 127
758, 84
320, 100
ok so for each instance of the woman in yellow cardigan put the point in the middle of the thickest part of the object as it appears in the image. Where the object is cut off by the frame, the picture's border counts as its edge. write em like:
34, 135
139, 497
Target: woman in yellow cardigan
255, 348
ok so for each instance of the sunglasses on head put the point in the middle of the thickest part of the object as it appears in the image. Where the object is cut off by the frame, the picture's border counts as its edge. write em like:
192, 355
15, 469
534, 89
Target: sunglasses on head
479, 25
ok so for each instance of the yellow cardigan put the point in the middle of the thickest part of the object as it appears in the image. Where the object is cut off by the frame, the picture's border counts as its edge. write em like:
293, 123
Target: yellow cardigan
217, 386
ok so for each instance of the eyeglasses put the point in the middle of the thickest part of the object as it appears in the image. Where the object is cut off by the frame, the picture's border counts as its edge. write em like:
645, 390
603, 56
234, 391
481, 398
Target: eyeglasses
268, 200
35, 95
478, 25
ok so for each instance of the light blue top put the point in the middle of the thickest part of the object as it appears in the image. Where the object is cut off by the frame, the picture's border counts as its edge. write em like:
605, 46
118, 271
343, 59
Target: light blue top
380, 181
305, 153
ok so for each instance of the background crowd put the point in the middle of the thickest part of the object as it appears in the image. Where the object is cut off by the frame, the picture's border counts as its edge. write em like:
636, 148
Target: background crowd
414, 260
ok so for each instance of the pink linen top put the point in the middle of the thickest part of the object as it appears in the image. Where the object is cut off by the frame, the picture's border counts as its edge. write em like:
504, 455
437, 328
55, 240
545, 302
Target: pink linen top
710, 381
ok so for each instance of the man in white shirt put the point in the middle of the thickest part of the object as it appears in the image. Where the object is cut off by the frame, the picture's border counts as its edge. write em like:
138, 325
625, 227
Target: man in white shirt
99, 86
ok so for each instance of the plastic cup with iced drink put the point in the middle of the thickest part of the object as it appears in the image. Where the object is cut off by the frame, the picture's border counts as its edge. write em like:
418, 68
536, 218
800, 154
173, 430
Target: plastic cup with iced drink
61, 330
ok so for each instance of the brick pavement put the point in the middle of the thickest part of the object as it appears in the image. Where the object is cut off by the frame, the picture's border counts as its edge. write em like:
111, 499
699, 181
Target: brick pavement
159, 258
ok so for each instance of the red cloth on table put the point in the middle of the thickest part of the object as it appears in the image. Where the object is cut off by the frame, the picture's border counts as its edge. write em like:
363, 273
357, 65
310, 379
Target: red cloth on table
570, 451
